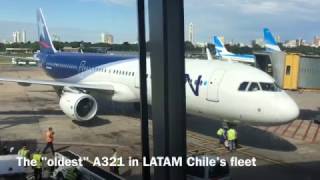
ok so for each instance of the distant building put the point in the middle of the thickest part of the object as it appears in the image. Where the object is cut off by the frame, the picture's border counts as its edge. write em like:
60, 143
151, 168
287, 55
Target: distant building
278, 38
300, 42
106, 38
291, 43
19, 37
19, 50
16, 37
200, 44
259, 42
316, 41
102, 37
191, 33
23, 36
70, 49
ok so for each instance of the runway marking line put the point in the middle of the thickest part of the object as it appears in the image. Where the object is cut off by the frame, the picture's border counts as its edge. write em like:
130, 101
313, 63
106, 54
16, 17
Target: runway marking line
202, 148
285, 130
307, 131
296, 130
315, 135
258, 156
276, 129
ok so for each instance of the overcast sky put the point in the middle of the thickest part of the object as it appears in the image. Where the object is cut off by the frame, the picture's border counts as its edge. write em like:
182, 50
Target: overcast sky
238, 20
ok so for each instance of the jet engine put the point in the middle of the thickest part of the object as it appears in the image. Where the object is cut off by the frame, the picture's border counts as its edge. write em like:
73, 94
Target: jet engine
78, 106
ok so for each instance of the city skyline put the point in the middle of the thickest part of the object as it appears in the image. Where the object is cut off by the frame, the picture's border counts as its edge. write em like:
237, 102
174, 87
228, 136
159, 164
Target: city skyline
119, 19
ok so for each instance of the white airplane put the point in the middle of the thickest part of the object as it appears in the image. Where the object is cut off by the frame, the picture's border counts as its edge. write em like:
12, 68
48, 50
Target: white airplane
218, 90
223, 54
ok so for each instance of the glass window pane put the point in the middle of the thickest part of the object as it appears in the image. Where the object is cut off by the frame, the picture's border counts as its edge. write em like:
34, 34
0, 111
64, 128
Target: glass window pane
243, 86
254, 87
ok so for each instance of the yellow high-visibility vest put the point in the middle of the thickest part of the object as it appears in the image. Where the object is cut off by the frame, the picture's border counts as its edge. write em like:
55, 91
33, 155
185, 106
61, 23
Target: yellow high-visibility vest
231, 134
117, 161
220, 132
20, 152
37, 157
23, 152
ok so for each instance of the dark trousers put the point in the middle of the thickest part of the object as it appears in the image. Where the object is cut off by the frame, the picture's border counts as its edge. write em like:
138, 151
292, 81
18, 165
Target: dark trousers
114, 169
37, 172
49, 145
221, 139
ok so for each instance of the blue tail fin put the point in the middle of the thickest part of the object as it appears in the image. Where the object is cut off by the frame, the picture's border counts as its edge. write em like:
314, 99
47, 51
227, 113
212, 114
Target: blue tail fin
269, 40
219, 46
46, 45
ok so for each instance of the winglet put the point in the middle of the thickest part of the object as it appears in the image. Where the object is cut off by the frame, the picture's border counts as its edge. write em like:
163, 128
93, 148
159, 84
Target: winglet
46, 45
269, 40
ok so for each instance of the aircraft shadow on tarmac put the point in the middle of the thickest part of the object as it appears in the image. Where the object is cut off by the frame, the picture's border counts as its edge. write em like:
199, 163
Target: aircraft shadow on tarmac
33, 112
97, 121
9, 122
17, 144
307, 114
247, 135
292, 171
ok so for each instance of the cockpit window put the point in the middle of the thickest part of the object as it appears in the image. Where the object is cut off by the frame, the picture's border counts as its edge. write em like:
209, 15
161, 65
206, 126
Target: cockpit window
269, 87
243, 86
254, 87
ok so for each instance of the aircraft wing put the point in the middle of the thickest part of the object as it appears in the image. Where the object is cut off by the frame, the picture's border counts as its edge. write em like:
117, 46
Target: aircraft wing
27, 82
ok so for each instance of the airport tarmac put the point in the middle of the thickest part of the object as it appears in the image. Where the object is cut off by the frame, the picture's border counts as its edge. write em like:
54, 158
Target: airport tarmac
289, 151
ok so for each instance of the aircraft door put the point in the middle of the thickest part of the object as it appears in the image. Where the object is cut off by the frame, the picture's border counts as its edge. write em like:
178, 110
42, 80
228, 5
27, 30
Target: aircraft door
213, 86
136, 80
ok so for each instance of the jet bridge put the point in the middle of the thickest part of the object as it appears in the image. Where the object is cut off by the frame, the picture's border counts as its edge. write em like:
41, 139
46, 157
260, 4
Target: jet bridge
291, 71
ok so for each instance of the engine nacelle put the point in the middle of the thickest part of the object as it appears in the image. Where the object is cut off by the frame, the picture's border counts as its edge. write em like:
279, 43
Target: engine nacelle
78, 106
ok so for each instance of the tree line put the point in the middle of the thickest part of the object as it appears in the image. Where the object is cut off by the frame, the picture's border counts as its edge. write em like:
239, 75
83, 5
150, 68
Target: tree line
126, 46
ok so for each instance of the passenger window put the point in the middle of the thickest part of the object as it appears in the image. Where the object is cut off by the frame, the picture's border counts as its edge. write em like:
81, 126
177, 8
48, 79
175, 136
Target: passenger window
243, 86
254, 87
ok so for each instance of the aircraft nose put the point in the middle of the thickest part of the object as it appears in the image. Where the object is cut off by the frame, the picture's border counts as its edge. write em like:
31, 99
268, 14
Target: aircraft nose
288, 110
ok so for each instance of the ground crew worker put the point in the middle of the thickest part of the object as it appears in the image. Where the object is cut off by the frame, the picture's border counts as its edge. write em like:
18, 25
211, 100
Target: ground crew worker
37, 169
231, 136
72, 174
49, 139
24, 152
221, 136
115, 168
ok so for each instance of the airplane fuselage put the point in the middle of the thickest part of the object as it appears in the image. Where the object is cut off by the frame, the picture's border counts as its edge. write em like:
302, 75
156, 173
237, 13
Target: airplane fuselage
212, 87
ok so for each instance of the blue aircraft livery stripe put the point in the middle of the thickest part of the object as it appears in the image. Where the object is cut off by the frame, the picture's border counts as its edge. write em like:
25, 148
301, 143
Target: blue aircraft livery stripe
66, 65
240, 56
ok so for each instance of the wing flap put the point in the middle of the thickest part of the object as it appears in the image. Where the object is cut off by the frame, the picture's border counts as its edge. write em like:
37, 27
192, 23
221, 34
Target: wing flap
28, 82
